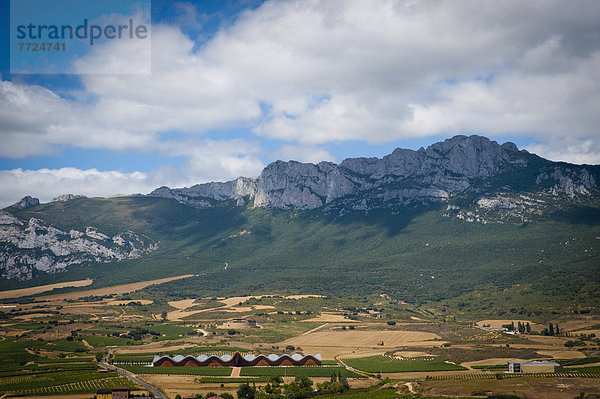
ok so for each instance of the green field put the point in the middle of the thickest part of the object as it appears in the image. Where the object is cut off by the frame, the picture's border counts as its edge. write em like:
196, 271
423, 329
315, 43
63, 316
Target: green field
47, 379
592, 369
386, 364
100, 341
308, 371
208, 371
89, 386
67, 346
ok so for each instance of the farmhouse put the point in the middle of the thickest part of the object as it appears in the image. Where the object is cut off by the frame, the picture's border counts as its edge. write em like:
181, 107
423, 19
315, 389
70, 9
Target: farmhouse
534, 367
237, 360
115, 393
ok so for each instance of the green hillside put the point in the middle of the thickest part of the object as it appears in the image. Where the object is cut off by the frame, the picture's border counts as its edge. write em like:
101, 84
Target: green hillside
416, 256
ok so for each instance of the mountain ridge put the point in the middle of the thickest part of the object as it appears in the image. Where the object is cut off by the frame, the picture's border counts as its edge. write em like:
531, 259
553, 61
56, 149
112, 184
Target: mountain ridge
402, 178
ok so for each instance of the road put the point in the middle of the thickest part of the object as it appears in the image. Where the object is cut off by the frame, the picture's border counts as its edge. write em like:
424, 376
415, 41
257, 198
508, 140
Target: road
124, 373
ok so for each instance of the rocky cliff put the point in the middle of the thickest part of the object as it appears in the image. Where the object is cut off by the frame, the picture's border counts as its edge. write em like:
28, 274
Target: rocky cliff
438, 173
28, 247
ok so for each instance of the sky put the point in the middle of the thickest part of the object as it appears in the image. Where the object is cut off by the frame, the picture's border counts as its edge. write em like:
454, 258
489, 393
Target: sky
235, 85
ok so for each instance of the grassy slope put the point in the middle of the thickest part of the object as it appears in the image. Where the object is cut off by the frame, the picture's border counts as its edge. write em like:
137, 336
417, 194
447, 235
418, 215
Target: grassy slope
355, 254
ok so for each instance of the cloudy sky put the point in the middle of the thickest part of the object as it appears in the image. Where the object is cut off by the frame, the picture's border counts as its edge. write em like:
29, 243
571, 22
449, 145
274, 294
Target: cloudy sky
236, 85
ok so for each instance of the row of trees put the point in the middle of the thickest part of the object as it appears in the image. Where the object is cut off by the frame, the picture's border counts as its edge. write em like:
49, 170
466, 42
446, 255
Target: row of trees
551, 330
300, 388
520, 327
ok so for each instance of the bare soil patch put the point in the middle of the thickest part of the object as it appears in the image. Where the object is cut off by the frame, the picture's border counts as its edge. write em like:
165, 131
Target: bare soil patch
43, 288
116, 289
182, 304
529, 387
362, 339
184, 385
563, 354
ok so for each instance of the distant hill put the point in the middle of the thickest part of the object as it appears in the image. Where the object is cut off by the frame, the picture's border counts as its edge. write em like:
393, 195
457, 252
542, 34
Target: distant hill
466, 223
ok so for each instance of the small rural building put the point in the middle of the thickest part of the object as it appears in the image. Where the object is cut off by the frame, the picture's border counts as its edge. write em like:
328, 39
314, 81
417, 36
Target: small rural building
104, 394
534, 367
115, 393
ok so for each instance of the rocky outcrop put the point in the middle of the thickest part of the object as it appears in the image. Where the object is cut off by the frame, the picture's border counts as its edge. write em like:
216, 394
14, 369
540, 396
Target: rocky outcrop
401, 178
27, 202
209, 194
28, 248
67, 197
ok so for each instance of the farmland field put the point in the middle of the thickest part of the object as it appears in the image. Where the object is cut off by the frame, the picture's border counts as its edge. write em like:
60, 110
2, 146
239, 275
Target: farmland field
386, 364
354, 338
208, 371
86, 386
297, 371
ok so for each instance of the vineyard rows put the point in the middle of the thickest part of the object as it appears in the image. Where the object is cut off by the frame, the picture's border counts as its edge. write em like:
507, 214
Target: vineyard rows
483, 376
80, 387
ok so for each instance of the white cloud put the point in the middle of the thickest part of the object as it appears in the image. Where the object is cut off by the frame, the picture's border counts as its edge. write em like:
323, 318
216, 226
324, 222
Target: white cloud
319, 71
49, 183
579, 151
311, 154
207, 160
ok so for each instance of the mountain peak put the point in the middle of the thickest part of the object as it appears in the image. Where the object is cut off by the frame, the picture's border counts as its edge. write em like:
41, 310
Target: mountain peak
27, 202
437, 173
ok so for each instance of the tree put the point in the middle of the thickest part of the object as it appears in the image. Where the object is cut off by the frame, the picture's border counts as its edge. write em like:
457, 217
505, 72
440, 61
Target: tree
528, 328
551, 329
301, 388
557, 331
226, 395
178, 396
245, 391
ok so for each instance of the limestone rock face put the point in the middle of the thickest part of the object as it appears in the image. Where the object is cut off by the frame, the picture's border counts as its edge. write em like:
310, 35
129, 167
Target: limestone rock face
67, 197
30, 247
27, 202
404, 177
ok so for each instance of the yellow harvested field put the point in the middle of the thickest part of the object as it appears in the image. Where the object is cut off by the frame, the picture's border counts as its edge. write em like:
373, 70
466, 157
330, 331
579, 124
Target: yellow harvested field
116, 289
182, 304
549, 341
579, 324
564, 354
155, 347
326, 317
358, 339
331, 352
235, 300
43, 288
